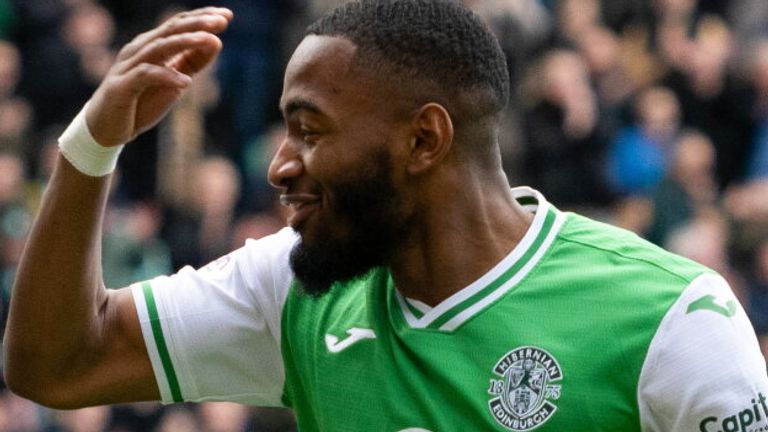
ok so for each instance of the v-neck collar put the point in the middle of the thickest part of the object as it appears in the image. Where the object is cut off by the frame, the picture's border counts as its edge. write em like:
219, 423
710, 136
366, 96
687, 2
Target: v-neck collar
452, 312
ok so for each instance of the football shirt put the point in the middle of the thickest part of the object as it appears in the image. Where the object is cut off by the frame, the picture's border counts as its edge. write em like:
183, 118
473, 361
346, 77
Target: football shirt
581, 327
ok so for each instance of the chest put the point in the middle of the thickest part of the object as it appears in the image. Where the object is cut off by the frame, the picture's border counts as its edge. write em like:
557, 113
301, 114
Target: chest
516, 367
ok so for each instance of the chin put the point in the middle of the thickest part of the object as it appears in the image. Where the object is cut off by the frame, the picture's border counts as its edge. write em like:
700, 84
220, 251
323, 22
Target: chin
321, 260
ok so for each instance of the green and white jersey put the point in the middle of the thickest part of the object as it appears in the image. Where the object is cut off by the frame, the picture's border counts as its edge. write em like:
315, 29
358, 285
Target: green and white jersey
582, 327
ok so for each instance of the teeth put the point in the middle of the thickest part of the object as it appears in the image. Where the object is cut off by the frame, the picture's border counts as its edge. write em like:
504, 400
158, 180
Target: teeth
293, 201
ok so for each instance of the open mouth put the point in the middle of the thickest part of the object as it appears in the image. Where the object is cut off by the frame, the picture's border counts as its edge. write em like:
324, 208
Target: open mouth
302, 206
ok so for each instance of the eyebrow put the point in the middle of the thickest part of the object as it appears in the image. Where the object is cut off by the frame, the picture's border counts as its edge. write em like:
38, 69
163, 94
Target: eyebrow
301, 105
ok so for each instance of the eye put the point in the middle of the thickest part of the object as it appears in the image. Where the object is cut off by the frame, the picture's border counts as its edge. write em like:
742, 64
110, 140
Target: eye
310, 136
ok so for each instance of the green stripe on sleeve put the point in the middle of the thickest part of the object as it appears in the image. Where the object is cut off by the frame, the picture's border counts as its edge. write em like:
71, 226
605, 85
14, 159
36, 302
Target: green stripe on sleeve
162, 348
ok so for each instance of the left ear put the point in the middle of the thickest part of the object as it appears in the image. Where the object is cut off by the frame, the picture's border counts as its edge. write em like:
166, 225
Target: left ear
433, 138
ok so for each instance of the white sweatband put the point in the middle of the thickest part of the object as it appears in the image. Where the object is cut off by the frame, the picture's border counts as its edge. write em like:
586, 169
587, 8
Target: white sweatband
83, 152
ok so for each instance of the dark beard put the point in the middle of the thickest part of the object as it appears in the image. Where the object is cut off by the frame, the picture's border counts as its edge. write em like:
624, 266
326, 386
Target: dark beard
368, 205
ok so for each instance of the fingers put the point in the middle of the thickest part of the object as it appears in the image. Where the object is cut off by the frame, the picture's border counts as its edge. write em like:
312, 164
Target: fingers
149, 75
185, 42
211, 19
194, 60
164, 50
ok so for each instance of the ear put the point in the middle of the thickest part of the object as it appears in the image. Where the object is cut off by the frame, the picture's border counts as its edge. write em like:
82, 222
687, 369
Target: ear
432, 139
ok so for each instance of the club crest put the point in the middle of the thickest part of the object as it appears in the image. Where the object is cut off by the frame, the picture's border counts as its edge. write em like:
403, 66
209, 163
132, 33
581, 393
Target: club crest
524, 388
218, 265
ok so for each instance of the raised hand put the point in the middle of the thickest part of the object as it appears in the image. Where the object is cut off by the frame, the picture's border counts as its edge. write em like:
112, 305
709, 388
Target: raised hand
151, 72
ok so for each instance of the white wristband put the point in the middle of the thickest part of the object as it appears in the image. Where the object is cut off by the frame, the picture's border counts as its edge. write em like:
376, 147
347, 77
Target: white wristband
83, 152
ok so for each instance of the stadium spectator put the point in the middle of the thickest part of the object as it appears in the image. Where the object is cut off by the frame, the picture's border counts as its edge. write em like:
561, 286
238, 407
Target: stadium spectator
45, 48
132, 248
11, 183
17, 414
202, 231
252, 58
689, 187
640, 154
224, 417
522, 28
255, 163
601, 49
713, 101
747, 18
565, 139
15, 111
575, 17
179, 419
757, 292
218, 190
704, 239
758, 69
81, 420
14, 224
89, 30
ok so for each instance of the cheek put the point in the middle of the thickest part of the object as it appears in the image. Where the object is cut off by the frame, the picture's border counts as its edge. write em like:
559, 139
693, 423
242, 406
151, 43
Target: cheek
334, 171
329, 159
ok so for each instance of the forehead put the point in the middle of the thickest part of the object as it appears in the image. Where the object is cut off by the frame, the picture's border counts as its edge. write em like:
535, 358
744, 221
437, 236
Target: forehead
320, 68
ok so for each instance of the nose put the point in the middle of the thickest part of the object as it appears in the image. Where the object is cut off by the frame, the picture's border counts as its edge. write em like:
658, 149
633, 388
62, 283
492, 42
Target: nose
285, 165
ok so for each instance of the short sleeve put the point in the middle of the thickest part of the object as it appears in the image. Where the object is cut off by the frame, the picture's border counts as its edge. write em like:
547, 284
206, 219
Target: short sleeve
214, 333
704, 370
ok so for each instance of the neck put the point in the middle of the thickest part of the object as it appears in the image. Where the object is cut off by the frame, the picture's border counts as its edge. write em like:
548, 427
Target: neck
458, 240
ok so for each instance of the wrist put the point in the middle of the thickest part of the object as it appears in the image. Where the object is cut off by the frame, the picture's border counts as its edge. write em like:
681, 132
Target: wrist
79, 147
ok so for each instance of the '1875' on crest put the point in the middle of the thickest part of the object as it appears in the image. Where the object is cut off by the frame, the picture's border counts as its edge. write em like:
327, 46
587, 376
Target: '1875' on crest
525, 388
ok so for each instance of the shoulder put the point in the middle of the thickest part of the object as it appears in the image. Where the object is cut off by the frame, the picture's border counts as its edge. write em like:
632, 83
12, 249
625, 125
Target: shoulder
704, 364
623, 250
268, 256
275, 245
257, 274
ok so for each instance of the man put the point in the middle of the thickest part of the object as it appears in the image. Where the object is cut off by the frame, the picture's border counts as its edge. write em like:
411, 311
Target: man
413, 288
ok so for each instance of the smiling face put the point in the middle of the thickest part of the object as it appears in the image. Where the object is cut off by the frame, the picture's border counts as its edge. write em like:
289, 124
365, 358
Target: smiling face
338, 165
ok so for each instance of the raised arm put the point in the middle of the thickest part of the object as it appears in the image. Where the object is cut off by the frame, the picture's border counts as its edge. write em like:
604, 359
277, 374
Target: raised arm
69, 342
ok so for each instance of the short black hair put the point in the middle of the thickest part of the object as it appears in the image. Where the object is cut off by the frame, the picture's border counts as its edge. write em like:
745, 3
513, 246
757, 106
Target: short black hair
438, 42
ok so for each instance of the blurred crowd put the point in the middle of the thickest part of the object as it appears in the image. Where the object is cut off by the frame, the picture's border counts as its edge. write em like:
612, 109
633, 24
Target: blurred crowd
648, 114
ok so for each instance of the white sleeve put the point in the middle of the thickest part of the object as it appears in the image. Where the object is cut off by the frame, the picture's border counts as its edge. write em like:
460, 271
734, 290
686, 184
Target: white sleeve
214, 333
704, 370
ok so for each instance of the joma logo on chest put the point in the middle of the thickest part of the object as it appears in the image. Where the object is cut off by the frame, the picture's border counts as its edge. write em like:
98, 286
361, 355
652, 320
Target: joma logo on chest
355, 335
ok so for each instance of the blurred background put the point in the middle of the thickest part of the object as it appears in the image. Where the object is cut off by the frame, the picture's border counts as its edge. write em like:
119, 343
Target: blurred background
648, 114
